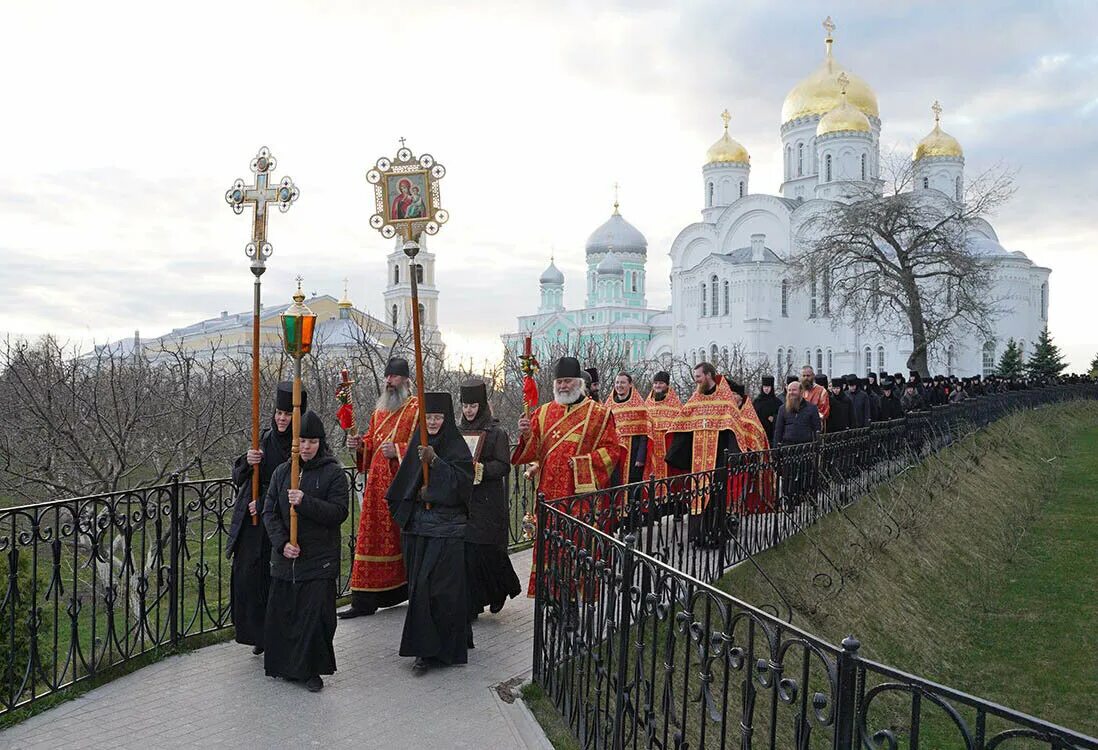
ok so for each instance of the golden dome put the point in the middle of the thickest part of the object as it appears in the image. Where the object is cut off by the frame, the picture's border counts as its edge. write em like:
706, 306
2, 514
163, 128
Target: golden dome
727, 148
820, 92
845, 116
938, 142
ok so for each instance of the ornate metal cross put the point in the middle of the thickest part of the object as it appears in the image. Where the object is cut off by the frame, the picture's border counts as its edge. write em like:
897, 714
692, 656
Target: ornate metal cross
259, 196
936, 108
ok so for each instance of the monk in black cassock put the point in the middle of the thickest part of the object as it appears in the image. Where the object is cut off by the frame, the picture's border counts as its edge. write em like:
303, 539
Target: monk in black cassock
301, 617
432, 520
766, 406
491, 577
247, 544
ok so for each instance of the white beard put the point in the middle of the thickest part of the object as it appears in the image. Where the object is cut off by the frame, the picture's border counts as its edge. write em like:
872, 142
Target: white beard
569, 397
392, 398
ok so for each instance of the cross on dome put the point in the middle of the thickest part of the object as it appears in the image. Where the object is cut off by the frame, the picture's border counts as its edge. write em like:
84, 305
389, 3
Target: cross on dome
844, 81
936, 108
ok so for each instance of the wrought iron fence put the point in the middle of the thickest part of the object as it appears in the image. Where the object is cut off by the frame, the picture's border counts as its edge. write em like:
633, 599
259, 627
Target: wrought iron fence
93, 582
636, 648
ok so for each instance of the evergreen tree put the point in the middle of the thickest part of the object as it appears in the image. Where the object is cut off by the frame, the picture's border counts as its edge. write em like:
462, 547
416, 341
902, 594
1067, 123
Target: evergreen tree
1046, 360
1094, 367
1010, 364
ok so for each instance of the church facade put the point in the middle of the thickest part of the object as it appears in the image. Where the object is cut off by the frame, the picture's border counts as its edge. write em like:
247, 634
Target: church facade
730, 274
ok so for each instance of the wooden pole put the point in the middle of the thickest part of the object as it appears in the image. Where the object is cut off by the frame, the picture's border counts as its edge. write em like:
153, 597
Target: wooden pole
295, 446
422, 418
255, 394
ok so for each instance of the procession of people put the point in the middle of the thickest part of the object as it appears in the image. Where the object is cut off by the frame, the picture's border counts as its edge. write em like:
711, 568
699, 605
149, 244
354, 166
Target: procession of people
435, 515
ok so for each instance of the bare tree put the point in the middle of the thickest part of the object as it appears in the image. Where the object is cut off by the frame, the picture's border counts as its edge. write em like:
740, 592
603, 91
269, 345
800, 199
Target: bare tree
902, 262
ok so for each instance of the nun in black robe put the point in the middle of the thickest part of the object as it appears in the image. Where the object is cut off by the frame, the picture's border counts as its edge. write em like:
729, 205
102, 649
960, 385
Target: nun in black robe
247, 545
489, 574
301, 617
432, 520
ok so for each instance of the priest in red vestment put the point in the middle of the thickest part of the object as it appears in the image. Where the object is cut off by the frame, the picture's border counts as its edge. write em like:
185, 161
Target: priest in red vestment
378, 578
631, 420
663, 406
571, 442
815, 394
700, 440
753, 490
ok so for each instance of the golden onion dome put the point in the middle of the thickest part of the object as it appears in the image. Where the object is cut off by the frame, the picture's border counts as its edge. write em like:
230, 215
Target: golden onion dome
938, 142
820, 92
845, 117
727, 148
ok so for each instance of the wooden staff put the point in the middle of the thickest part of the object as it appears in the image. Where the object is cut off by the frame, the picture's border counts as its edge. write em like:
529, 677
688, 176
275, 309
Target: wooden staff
295, 448
255, 394
411, 249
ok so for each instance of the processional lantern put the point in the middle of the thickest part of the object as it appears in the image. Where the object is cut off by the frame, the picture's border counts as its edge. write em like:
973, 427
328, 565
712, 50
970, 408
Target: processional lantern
407, 203
259, 196
298, 324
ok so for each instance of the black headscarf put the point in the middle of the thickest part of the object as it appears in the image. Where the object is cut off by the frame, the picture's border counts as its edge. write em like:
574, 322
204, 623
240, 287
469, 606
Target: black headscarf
449, 445
284, 401
476, 392
312, 426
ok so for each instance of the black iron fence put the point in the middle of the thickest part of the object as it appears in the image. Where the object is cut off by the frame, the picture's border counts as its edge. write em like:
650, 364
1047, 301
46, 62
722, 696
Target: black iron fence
636, 648
91, 583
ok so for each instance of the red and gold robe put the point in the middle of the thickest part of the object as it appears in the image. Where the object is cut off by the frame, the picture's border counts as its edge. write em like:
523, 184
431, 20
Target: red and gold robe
818, 397
660, 416
756, 494
707, 416
576, 448
631, 421
379, 563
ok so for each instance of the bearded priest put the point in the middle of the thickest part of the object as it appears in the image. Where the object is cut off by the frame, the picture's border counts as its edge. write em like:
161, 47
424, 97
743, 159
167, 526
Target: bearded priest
571, 443
378, 578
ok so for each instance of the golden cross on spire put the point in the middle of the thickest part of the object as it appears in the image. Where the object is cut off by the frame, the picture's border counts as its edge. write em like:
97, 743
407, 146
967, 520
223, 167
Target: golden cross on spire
936, 108
829, 27
844, 81
726, 117
616, 186
299, 296
345, 282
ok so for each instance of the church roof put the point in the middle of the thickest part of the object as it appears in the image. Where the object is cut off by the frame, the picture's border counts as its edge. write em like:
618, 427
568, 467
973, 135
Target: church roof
551, 275
611, 264
619, 234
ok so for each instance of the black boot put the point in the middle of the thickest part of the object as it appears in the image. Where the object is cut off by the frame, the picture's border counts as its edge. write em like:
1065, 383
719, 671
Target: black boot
314, 684
350, 613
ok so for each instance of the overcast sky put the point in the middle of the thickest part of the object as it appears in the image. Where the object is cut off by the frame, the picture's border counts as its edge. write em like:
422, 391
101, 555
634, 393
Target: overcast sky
124, 123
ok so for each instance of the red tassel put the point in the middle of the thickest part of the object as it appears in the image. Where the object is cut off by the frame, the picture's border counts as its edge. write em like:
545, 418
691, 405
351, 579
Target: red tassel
346, 416
530, 392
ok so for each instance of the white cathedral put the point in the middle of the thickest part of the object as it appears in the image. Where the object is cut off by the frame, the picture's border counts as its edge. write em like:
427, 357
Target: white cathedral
729, 271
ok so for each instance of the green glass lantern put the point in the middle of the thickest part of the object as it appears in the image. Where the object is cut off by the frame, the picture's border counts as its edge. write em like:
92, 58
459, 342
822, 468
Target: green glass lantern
298, 324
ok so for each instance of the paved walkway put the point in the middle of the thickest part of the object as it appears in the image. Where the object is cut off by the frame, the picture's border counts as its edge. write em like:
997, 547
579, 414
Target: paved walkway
218, 697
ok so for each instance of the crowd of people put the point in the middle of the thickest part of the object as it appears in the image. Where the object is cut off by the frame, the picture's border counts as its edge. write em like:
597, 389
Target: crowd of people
434, 519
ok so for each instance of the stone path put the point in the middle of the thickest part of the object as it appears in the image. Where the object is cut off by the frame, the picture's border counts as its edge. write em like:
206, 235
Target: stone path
218, 697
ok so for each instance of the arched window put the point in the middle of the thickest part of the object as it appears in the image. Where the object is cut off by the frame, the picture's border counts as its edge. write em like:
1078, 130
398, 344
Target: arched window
709, 196
724, 355
394, 315
781, 359
826, 292
713, 291
807, 358
785, 298
827, 168
419, 273
800, 159
789, 359
1044, 301
422, 314
396, 274
949, 360
726, 298
788, 162
713, 354
957, 187
694, 357
863, 166
701, 355
819, 360
868, 359
830, 362
703, 301
989, 358
741, 188
880, 358
812, 297
628, 351
633, 275
926, 183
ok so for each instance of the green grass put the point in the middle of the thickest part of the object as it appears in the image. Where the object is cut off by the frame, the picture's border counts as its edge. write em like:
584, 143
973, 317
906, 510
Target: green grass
556, 729
976, 569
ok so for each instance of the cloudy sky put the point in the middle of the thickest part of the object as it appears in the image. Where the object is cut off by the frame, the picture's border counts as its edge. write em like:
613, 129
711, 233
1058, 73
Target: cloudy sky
124, 124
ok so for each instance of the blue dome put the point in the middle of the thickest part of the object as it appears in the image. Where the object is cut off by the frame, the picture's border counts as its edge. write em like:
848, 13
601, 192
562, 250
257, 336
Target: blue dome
619, 234
551, 275
610, 265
